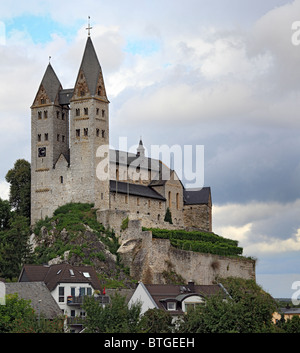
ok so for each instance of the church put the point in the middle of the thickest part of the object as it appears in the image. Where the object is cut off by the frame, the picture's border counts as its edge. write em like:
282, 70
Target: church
68, 129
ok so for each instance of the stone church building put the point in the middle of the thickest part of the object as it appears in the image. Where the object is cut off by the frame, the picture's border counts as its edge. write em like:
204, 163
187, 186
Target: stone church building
68, 126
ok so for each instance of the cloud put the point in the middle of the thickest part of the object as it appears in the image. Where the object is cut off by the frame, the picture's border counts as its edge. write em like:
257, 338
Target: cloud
4, 190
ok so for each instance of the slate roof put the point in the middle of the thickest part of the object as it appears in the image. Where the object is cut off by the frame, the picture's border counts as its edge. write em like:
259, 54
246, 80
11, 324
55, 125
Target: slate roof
35, 291
65, 96
197, 197
90, 66
135, 190
55, 274
51, 83
162, 293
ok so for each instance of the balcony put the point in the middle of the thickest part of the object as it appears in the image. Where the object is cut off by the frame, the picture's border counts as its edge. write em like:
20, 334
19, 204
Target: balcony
78, 300
76, 320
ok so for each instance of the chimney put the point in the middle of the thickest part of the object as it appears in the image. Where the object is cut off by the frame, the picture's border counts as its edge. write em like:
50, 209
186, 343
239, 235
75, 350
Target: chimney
191, 286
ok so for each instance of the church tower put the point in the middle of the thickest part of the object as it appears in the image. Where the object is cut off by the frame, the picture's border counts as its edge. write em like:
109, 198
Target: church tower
49, 140
89, 129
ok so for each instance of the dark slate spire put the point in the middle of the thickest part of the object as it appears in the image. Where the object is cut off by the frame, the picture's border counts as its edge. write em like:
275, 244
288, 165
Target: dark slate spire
90, 66
51, 83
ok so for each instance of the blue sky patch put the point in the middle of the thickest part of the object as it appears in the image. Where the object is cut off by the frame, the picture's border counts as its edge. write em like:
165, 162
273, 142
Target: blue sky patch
143, 47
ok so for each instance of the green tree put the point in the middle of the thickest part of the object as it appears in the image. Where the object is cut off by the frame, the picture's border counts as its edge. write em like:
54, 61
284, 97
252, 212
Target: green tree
290, 325
14, 248
115, 317
19, 178
5, 214
156, 321
168, 216
248, 310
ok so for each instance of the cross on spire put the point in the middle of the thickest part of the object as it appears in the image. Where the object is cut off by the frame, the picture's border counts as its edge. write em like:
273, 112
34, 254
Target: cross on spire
89, 27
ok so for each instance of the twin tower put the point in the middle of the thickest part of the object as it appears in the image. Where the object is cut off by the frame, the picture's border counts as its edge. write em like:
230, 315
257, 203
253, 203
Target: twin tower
67, 127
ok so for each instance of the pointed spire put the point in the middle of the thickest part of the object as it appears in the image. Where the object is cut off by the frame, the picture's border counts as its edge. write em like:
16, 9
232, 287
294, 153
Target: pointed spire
91, 68
50, 84
141, 149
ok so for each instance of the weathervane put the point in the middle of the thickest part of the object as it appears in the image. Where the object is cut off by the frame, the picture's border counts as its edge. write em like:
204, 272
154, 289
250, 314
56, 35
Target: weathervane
89, 27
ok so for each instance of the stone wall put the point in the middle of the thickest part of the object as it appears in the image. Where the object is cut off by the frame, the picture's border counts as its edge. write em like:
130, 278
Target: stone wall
153, 261
198, 217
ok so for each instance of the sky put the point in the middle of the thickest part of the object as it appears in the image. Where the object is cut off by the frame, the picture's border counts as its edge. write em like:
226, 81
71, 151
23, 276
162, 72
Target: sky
223, 74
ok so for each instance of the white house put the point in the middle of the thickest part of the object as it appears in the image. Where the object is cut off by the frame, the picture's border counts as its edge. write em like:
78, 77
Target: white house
176, 299
69, 285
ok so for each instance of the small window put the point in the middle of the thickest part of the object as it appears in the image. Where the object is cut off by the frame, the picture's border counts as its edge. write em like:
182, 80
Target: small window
71, 272
82, 93
126, 199
103, 133
86, 274
97, 132
63, 138
77, 112
86, 111
57, 115
62, 181
102, 196
39, 138
97, 111
57, 138
45, 114
63, 116
138, 201
39, 115
43, 101
89, 291
78, 133
103, 113
149, 203
46, 137
171, 306
86, 132
61, 294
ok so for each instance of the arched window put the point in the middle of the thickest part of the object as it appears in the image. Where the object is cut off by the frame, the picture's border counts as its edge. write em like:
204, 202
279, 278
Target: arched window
169, 197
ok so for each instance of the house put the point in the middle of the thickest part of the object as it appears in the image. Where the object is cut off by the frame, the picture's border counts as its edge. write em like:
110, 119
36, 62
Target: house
40, 298
69, 285
287, 313
175, 299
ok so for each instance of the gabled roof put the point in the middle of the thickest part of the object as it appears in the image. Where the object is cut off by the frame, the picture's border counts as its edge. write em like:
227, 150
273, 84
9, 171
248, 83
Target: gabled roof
135, 190
61, 273
36, 292
197, 197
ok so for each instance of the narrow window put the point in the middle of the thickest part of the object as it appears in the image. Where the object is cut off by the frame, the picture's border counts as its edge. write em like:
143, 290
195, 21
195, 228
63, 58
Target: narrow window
103, 113
149, 203
82, 93
86, 132
43, 101
63, 138
103, 133
61, 179
63, 116
39, 138
170, 203
46, 137
78, 133
98, 132
39, 115
126, 199
57, 137
45, 114
61, 294
77, 112
57, 115
97, 111
138, 201
86, 111
177, 201
101, 195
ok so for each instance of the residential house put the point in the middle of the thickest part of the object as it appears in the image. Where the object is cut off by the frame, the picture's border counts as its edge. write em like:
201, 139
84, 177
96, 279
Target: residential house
40, 298
175, 299
287, 313
69, 285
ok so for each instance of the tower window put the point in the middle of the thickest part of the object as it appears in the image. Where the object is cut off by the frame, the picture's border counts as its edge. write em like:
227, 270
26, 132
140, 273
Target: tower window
39, 138
82, 93
39, 115
100, 91
86, 132
86, 111
97, 111
63, 138
43, 101
57, 115
45, 114
57, 137
77, 112
61, 179
63, 116
97, 132
103, 133
46, 137
78, 133
103, 113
